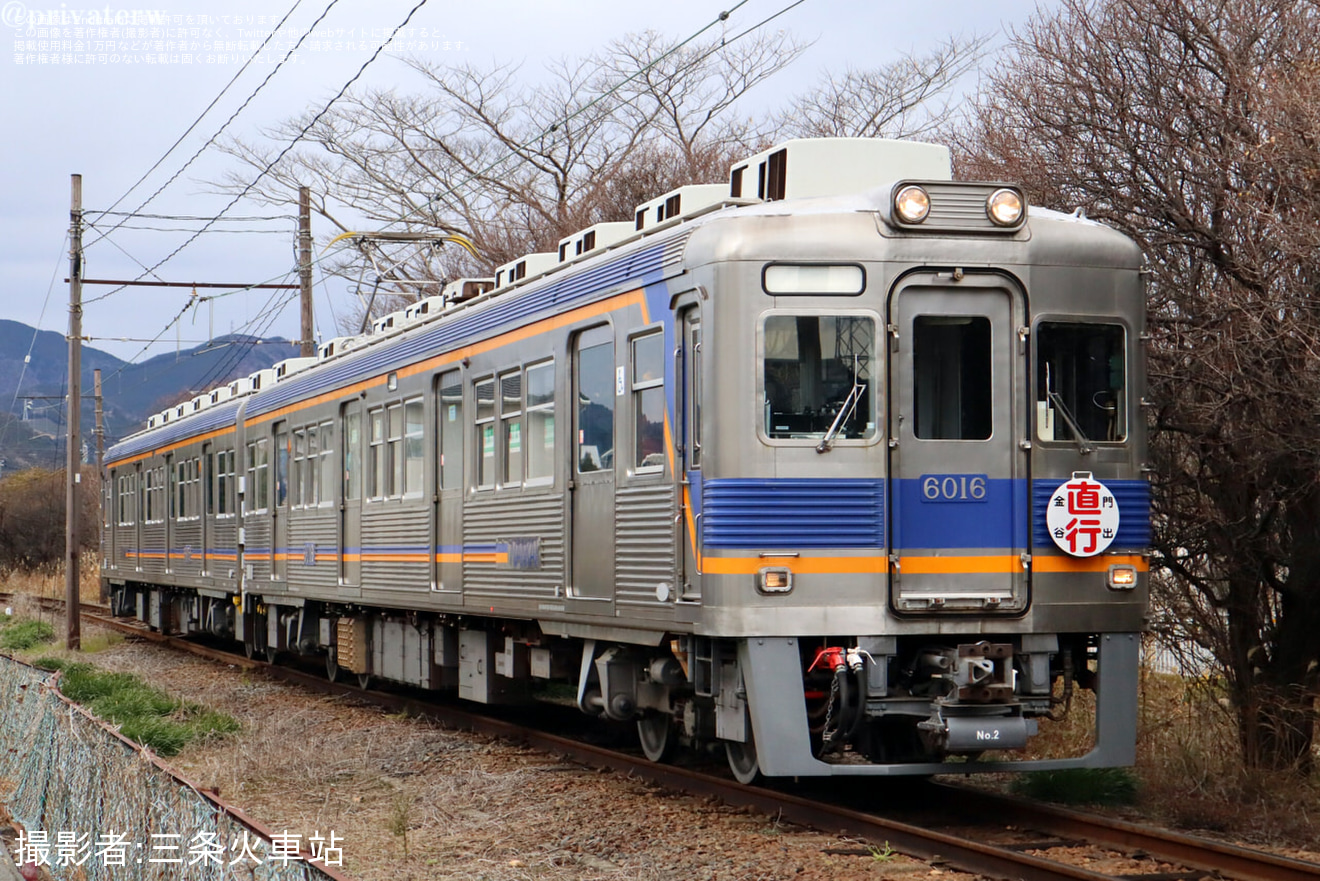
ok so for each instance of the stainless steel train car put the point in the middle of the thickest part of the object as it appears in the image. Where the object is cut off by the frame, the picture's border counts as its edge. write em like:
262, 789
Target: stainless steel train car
836, 466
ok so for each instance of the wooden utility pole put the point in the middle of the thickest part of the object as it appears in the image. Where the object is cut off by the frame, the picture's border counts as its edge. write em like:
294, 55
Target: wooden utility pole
305, 270
73, 467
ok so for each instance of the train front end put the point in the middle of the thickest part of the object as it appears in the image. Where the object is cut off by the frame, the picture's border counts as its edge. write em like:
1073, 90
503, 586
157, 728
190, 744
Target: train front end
919, 523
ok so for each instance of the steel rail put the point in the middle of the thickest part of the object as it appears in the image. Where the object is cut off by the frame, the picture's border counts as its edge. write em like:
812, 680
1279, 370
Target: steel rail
999, 861
1213, 856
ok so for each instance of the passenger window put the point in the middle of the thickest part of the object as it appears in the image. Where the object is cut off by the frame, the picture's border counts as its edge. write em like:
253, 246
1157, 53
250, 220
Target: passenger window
818, 377
485, 394
258, 473
325, 464
1080, 382
541, 422
511, 427
648, 400
300, 468
376, 464
451, 431
225, 463
596, 383
414, 447
394, 456
951, 367
352, 451
283, 448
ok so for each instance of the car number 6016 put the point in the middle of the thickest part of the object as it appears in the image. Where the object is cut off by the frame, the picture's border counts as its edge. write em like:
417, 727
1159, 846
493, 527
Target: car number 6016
953, 487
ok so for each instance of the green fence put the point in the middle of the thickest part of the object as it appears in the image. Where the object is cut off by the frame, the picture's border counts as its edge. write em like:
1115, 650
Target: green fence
95, 806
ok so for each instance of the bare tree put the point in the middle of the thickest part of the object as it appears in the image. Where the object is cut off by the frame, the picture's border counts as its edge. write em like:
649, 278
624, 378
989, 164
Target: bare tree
513, 166
907, 98
1193, 125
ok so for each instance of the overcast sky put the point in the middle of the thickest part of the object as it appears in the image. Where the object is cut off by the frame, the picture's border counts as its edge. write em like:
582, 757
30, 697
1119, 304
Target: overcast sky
112, 119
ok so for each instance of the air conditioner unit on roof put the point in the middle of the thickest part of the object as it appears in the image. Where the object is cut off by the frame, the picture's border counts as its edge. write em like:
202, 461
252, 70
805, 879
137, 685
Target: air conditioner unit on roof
584, 241
290, 366
679, 203
809, 167
524, 267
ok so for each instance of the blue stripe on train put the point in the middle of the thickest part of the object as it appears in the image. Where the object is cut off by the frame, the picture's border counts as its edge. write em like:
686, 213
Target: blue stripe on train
793, 513
831, 513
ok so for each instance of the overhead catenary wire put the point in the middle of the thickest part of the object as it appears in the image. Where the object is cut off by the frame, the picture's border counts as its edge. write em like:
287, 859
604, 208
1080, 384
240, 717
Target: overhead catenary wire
296, 139
36, 331
555, 127
208, 109
722, 17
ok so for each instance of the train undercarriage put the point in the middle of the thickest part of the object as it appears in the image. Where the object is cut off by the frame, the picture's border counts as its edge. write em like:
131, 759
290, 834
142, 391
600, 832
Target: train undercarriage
784, 707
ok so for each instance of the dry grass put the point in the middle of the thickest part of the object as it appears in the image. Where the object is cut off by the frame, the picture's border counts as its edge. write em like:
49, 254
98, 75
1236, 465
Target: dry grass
1193, 775
49, 582
415, 801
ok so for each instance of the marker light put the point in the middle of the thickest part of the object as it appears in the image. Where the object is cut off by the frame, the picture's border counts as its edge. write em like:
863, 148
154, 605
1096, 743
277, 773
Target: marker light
1004, 207
1122, 577
775, 581
912, 204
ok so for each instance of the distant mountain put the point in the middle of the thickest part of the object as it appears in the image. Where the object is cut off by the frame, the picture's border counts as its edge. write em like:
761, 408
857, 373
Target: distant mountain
130, 392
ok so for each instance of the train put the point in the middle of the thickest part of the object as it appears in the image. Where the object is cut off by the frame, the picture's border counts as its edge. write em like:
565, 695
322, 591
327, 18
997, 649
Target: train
837, 466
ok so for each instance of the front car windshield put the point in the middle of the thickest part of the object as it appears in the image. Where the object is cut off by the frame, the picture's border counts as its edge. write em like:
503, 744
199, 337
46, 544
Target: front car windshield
815, 367
1081, 378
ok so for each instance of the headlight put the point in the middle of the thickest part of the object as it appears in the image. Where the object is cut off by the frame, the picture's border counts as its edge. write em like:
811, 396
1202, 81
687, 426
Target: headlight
1004, 207
912, 204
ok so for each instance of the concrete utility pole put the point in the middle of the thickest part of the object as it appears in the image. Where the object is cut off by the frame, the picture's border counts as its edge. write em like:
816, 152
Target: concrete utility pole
73, 461
308, 335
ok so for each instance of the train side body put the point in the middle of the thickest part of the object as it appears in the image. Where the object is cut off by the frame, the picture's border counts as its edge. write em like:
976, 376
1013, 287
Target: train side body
786, 476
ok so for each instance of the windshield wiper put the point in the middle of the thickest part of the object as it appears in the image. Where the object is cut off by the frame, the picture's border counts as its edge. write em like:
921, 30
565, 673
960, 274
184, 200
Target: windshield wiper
1083, 442
845, 411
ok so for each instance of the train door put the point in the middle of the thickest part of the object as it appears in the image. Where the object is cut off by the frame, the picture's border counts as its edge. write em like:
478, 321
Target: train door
279, 532
688, 369
958, 500
595, 384
207, 506
350, 495
447, 546
111, 519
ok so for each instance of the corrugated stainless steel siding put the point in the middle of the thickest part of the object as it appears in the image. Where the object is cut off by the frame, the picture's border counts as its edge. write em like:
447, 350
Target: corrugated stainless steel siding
256, 535
793, 513
318, 527
224, 540
153, 543
395, 528
491, 518
186, 548
1133, 497
645, 536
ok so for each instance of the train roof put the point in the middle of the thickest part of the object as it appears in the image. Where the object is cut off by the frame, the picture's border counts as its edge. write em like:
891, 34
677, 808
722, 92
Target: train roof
644, 258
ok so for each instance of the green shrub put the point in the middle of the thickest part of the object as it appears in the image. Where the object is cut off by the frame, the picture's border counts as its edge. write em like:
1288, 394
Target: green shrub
165, 736
23, 635
46, 662
1079, 786
133, 700
144, 714
206, 724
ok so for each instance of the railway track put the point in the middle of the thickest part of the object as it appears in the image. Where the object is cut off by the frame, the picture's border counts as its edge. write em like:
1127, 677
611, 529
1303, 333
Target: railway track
960, 829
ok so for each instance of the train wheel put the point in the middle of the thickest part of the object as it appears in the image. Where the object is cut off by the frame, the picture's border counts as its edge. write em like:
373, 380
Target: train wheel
249, 649
364, 681
658, 736
272, 654
332, 664
742, 759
